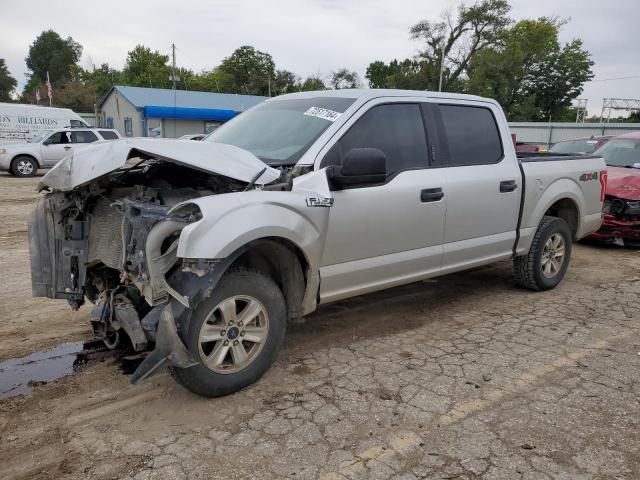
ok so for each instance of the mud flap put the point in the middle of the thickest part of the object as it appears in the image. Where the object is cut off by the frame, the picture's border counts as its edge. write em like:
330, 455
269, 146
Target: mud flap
169, 348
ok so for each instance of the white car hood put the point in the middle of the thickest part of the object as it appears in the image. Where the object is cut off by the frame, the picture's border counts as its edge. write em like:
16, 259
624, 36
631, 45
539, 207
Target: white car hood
100, 158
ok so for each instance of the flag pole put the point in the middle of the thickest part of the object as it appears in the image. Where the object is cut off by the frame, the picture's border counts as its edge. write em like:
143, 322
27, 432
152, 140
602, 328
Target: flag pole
49, 89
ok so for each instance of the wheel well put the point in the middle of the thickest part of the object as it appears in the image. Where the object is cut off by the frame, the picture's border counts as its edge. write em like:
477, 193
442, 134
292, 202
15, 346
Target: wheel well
25, 155
285, 263
567, 210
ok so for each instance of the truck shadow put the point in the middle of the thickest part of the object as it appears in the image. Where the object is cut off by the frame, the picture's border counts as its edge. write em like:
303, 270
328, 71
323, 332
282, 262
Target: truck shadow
398, 309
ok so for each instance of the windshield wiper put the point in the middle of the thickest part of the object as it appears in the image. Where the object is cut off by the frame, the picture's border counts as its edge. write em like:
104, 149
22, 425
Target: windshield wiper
253, 181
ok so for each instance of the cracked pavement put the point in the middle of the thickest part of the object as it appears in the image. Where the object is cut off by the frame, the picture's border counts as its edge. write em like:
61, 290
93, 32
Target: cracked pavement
463, 377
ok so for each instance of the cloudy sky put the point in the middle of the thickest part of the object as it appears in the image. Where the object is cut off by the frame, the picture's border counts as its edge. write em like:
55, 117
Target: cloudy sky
306, 36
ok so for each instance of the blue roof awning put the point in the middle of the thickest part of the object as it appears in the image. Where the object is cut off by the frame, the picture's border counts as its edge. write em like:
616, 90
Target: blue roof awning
213, 114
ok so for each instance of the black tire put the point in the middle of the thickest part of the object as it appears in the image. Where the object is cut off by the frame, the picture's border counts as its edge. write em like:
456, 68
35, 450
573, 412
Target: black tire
24, 166
203, 381
528, 268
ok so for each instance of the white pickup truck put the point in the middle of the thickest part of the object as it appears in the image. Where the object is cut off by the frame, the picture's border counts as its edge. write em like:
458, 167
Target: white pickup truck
203, 251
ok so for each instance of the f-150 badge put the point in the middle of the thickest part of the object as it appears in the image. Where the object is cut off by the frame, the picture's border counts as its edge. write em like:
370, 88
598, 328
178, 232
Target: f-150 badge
319, 202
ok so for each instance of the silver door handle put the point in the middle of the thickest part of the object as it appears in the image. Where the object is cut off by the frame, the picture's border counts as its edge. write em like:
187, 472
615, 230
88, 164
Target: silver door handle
67, 148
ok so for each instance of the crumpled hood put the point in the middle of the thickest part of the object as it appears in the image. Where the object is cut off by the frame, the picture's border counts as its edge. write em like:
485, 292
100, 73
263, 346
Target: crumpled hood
100, 158
623, 183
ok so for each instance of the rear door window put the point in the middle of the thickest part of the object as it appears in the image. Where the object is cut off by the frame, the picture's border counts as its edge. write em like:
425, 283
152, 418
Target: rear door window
470, 135
108, 135
83, 136
395, 129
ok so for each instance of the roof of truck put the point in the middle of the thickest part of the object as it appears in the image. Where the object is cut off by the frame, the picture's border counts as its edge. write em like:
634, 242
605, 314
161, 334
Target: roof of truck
369, 93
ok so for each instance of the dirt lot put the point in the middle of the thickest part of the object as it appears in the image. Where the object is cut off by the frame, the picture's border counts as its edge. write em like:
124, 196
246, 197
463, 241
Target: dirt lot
463, 377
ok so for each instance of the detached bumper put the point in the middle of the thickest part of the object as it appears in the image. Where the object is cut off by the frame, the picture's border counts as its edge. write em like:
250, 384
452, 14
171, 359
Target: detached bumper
613, 229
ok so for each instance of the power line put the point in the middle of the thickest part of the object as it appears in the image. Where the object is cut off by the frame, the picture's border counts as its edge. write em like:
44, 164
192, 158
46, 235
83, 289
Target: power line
615, 78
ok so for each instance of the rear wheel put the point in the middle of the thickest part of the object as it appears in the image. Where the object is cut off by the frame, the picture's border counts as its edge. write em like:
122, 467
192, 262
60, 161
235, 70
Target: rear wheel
548, 259
235, 334
24, 166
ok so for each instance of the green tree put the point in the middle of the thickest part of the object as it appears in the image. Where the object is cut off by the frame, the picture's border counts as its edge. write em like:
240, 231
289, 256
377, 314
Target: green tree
146, 68
344, 78
101, 79
247, 71
285, 82
312, 83
7, 82
634, 117
53, 54
213, 80
457, 39
530, 73
411, 74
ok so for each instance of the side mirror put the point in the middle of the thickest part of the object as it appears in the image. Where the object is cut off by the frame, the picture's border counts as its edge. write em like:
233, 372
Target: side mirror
47, 142
361, 166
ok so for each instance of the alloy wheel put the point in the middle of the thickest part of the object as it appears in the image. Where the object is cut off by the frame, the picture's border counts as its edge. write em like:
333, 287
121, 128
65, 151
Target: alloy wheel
553, 255
233, 334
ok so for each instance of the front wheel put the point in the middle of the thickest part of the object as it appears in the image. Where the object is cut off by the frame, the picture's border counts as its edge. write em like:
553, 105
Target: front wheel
24, 166
548, 259
235, 334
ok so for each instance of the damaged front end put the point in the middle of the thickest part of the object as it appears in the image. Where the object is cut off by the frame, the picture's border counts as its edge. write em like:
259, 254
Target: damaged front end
113, 239
621, 222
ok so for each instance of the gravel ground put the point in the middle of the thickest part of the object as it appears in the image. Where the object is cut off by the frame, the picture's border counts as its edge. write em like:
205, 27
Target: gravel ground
463, 377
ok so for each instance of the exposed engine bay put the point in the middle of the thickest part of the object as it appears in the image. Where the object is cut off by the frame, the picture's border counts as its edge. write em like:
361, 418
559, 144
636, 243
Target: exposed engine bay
114, 241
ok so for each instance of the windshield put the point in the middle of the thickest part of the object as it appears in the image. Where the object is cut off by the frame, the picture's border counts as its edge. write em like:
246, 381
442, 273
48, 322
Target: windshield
621, 153
575, 146
278, 132
41, 136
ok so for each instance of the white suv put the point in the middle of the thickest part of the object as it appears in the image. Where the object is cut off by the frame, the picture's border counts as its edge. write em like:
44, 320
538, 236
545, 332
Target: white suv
48, 148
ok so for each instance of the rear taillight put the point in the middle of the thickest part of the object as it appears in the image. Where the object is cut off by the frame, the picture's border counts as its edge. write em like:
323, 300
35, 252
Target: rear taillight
603, 184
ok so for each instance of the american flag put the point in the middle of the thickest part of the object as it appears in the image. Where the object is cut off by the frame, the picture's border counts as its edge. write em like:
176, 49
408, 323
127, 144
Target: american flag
49, 89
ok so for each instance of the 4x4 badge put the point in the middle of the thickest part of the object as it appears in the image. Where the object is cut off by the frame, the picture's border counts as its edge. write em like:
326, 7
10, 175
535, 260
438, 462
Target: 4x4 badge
319, 202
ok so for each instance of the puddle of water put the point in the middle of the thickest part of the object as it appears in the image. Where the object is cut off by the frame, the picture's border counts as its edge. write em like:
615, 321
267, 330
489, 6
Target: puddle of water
18, 376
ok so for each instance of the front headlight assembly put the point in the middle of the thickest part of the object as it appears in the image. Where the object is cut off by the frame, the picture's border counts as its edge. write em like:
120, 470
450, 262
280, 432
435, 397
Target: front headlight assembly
632, 208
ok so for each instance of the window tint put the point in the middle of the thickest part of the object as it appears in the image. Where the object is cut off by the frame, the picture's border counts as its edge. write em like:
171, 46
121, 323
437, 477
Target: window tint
472, 135
83, 136
107, 135
59, 138
77, 124
396, 129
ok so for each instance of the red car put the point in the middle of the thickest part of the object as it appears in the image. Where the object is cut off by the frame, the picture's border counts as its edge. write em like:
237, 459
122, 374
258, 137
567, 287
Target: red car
622, 201
580, 146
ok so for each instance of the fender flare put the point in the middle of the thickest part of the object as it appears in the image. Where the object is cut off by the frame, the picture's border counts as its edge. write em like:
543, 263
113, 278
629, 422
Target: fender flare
563, 188
272, 215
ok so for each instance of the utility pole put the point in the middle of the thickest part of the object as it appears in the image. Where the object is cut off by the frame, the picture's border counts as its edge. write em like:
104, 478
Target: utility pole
173, 64
441, 64
173, 77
